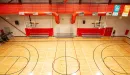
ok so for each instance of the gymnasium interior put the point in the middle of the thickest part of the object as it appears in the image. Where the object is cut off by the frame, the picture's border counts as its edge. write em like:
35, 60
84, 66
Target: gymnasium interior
64, 37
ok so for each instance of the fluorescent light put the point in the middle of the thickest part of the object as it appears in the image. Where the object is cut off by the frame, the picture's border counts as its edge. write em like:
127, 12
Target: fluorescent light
98, 73
49, 73
31, 73
74, 74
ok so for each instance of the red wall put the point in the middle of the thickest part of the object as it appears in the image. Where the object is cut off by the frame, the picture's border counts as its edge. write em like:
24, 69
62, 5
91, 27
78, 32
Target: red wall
39, 30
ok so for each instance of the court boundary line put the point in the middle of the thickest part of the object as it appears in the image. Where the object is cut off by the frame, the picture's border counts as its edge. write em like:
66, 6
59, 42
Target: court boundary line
37, 57
27, 62
66, 60
71, 40
28, 58
64, 40
14, 64
120, 66
55, 56
102, 55
65, 57
76, 57
94, 57
68, 40
117, 64
86, 60
66, 74
8, 54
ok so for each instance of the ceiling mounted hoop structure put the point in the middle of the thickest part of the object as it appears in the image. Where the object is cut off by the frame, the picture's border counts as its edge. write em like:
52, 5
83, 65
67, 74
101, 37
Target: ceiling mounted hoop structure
82, 13
56, 15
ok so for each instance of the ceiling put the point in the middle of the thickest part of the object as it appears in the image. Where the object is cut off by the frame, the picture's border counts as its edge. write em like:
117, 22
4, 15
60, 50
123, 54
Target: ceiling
69, 1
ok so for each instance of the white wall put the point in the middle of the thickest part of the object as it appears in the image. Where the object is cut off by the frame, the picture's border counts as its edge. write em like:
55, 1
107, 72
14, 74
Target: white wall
120, 25
129, 31
44, 22
11, 19
89, 20
65, 26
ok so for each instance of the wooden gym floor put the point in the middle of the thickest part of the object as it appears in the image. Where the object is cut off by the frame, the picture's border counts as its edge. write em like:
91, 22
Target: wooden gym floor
77, 56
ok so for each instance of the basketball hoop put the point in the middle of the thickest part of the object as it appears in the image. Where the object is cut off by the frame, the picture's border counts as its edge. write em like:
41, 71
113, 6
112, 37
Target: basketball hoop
100, 24
31, 24
35, 23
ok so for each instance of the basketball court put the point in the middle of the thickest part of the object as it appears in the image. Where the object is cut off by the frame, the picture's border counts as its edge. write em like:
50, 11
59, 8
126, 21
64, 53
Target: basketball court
64, 37
65, 57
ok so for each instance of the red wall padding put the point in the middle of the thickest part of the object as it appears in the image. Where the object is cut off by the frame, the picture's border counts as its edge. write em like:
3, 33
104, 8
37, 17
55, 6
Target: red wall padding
1, 31
108, 31
39, 30
126, 32
90, 30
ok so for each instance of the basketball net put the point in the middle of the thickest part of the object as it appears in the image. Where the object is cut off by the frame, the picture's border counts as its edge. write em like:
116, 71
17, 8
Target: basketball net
31, 24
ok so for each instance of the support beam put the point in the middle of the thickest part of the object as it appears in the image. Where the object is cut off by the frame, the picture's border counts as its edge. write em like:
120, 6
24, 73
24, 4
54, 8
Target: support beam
12, 25
100, 19
80, 1
50, 1
110, 1
10, 1
30, 20
65, 1
20, 1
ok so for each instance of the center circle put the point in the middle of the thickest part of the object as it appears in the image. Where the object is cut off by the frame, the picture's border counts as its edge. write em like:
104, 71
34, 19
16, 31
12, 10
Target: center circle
66, 65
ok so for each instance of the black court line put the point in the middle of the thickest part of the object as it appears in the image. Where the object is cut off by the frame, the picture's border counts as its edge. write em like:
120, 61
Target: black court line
103, 59
25, 57
55, 56
63, 40
28, 58
119, 65
37, 57
94, 57
27, 62
116, 62
12, 65
75, 40
66, 59
76, 56
66, 62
